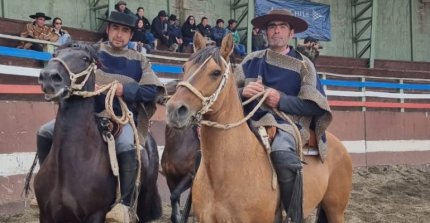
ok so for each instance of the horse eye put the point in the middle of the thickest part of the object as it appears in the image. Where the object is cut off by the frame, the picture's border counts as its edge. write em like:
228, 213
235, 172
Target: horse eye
216, 73
86, 59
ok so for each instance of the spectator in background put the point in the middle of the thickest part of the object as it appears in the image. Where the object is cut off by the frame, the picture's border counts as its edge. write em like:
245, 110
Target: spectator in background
63, 36
310, 48
37, 30
146, 26
174, 32
188, 29
231, 28
218, 32
139, 42
159, 28
121, 6
204, 27
140, 15
259, 39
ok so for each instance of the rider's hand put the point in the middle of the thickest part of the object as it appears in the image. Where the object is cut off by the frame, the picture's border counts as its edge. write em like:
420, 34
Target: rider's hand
273, 98
252, 89
119, 90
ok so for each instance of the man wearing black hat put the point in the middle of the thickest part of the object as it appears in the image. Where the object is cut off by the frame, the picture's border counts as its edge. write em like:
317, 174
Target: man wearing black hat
292, 85
138, 86
37, 30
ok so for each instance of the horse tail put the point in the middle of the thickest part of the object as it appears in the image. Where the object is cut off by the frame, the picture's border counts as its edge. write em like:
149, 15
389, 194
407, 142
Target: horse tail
149, 206
321, 216
27, 188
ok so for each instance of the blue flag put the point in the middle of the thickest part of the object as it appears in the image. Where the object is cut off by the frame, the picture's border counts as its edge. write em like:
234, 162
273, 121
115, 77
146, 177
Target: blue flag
317, 15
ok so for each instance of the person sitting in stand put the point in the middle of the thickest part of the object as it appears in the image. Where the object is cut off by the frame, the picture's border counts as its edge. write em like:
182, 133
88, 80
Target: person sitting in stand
174, 32
121, 6
259, 39
63, 36
188, 30
37, 30
204, 27
310, 48
218, 32
146, 26
139, 41
231, 28
159, 28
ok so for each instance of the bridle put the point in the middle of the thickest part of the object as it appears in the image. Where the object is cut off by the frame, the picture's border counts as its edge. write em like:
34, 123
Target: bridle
207, 102
74, 77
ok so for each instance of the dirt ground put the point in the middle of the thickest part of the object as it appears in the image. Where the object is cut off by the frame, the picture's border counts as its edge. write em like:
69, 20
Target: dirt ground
389, 194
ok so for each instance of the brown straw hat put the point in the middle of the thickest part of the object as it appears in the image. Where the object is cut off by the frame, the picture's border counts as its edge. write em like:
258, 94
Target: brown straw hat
298, 24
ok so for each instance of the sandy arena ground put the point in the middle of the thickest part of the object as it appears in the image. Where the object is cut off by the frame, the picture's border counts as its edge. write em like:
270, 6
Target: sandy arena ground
391, 194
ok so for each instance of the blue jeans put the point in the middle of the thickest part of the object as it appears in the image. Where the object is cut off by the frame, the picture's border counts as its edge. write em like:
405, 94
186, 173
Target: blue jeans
240, 49
123, 143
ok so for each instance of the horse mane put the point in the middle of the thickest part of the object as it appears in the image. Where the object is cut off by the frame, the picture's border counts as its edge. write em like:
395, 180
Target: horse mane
77, 45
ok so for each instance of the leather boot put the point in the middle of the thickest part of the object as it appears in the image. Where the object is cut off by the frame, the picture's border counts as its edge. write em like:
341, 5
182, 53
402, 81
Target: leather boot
287, 166
43, 147
127, 163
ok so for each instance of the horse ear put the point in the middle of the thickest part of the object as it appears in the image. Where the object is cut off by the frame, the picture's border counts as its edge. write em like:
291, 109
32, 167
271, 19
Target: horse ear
199, 41
227, 46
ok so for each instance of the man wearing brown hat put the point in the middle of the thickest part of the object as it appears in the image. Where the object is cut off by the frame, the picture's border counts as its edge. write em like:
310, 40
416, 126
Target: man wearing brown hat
37, 30
294, 89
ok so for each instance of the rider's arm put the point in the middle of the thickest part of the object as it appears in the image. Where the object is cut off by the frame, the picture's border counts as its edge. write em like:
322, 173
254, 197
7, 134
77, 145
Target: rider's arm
144, 91
295, 106
133, 92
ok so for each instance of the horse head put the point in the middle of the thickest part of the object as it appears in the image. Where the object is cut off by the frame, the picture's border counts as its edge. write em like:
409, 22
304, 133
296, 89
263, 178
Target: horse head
71, 69
206, 74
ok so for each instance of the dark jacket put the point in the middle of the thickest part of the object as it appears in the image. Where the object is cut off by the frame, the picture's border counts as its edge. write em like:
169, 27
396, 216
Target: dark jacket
217, 35
174, 30
157, 27
139, 36
146, 24
188, 30
204, 30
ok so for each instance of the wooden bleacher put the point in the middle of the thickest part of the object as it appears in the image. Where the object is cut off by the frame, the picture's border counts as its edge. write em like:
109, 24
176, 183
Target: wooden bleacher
341, 65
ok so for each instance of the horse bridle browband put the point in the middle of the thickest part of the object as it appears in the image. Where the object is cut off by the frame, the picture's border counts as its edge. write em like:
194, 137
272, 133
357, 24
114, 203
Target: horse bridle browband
74, 77
207, 102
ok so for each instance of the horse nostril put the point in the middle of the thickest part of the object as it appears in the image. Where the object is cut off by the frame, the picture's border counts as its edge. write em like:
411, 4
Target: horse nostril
56, 77
182, 111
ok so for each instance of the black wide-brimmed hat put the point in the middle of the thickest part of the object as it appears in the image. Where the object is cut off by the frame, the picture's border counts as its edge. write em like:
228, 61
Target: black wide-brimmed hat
121, 19
40, 14
298, 24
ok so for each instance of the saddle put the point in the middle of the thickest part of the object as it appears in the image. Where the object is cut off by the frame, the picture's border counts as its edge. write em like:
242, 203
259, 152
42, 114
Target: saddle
106, 125
309, 148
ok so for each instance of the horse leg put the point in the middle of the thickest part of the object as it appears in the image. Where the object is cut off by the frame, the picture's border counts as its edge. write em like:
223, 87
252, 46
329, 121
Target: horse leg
338, 191
98, 217
175, 197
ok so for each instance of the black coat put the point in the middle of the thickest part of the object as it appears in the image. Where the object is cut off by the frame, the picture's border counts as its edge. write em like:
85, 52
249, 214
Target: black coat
158, 28
139, 36
146, 24
204, 30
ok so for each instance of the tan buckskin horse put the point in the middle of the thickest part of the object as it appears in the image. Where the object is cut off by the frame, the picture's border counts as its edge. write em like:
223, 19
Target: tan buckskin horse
234, 180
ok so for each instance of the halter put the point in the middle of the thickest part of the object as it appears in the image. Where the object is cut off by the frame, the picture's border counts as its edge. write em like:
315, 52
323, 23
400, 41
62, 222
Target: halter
207, 102
73, 77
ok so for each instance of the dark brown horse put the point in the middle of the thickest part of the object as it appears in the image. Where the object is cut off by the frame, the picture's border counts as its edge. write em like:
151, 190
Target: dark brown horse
178, 163
233, 182
75, 182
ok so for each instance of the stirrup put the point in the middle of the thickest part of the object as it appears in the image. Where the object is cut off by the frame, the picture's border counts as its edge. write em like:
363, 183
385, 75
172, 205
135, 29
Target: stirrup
120, 213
